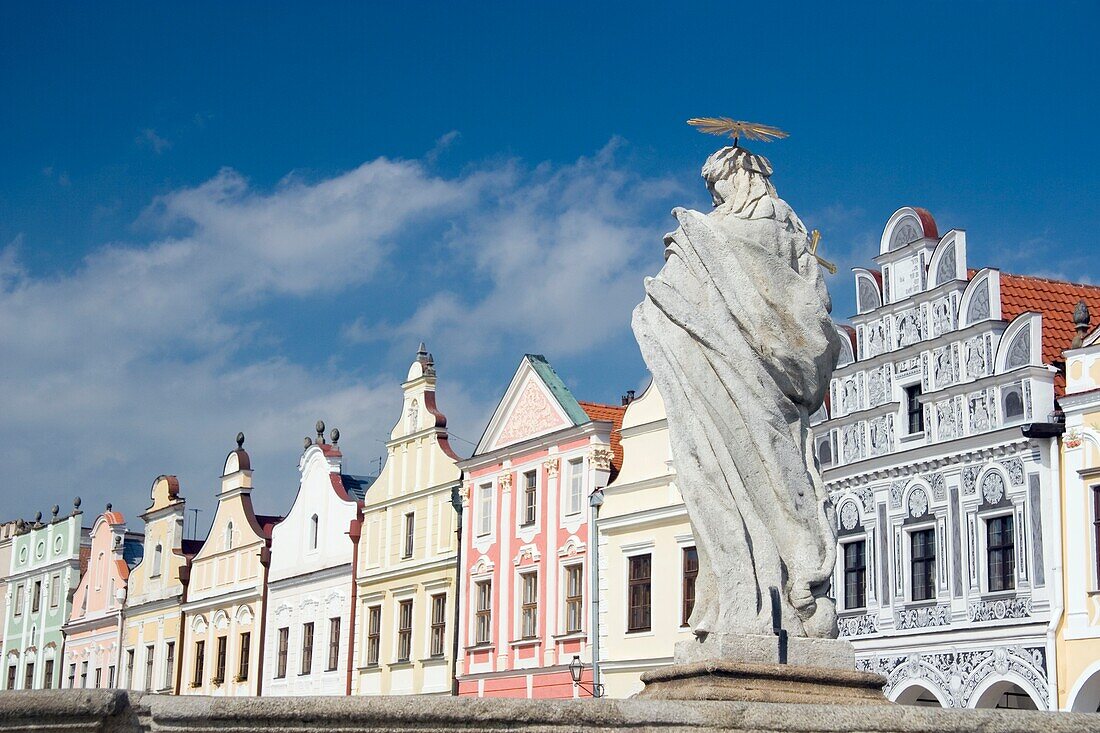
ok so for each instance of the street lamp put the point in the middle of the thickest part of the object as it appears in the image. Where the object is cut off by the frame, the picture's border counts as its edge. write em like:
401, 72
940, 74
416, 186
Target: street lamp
576, 669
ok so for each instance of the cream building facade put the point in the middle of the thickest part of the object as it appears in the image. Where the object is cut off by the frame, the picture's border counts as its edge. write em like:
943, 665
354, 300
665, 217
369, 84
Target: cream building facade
311, 584
151, 640
409, 552
645, 556
1078, 635
224, 613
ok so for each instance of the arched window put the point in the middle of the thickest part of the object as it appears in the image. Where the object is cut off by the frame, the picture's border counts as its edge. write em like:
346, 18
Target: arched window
100, 570
157, 553
229, 536
313, 527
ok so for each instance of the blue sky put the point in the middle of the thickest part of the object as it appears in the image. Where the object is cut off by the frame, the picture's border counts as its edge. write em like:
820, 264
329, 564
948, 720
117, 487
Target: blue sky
222, 217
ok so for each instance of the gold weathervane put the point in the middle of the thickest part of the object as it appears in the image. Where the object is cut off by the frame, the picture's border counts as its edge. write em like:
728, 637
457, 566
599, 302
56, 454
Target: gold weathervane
815, 239
737, 129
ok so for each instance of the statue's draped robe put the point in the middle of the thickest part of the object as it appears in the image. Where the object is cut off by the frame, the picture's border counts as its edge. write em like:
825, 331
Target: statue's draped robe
736, 331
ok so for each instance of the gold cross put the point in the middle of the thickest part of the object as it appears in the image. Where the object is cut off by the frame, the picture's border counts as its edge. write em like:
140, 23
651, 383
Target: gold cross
815, 239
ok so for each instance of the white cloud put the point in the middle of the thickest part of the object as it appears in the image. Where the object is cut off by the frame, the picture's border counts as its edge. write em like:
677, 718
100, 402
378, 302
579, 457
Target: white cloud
151, 355
151, 139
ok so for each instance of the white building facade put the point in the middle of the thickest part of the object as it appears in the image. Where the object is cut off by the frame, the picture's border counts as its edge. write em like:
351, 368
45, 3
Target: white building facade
938, 449
311, 582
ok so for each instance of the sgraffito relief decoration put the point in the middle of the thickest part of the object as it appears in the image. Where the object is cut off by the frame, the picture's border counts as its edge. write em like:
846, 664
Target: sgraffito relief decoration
939, 486
925, 617
876, 339
918, 503
1019, 353
945, 270
944, 370
956, 675
946, 425
979, 305
852, 442
908, 328
882, 435
1006, 608
941, 317
993, 487
1014, 467
876, 387
975, 358
897, 490
969, 479
849, 401
868, 295
861, 625
979, 412
532, 415
849, 515
905, 233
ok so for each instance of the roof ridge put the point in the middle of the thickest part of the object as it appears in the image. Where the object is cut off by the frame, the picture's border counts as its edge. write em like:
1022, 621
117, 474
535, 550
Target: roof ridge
1047, 279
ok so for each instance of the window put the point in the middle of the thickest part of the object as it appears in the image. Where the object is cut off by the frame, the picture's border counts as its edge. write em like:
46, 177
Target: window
229, 536
576, 486
691, 572
169, 664
314, 527
1096, 529
284, 647
439, 624
922, 544
98, 677
529, 608
484, 613
157, 553
111, 676
530, 498
410, 527
28, 677
404, 630
55, 591
72, 676
855, 574
149, 650
574, 598
130, 668
36, 599
200, 662
913, 409
219, 660
1001, 552
484, 509
83, 675
307, 648
333, 643
18, 600
374, 630
638, 617
47, 670
244, 656
11, 676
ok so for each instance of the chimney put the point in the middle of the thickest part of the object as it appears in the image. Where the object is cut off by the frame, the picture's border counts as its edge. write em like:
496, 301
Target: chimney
1081, 321
628, 397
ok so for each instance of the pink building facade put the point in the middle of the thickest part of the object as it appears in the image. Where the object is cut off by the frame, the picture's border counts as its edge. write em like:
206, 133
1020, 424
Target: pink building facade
93, 633
525, 559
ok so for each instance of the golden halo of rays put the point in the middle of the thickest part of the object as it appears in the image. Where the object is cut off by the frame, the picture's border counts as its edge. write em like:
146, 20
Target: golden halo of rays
737, 129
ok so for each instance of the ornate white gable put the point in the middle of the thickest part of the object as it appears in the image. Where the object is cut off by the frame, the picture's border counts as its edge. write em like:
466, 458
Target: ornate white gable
527, 410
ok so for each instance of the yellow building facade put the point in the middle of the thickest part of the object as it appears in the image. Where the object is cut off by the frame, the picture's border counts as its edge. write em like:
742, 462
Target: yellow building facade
151, 640
408, 553
1078, 632
645, 553
223, 616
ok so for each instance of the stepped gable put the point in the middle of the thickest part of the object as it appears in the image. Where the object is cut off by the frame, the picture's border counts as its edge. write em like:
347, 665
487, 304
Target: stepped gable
1055, 299
614, 415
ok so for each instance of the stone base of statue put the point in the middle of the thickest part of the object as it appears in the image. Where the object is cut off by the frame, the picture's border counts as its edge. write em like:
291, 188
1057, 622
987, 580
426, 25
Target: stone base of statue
747, 668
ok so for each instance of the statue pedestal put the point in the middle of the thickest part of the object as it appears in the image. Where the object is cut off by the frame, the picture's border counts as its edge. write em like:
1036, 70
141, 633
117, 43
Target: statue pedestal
746, 668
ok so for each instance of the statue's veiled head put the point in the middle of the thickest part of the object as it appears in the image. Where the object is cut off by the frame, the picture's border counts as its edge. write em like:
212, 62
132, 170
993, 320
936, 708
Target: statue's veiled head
721, 169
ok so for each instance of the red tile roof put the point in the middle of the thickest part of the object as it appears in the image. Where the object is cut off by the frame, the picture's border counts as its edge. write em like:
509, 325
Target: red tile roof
1055, 299
614, 415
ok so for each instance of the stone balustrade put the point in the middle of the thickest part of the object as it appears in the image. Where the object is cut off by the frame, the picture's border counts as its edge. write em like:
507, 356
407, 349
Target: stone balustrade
116, 711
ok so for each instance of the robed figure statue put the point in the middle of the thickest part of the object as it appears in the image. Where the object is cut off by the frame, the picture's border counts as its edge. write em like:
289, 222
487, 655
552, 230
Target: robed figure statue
736, 331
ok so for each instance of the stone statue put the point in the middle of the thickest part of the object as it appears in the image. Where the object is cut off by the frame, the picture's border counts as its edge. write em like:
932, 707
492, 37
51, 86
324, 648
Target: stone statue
737, 333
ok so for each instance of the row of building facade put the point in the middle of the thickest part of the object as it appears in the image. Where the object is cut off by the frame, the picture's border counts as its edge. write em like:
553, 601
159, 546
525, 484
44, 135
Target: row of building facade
960, 443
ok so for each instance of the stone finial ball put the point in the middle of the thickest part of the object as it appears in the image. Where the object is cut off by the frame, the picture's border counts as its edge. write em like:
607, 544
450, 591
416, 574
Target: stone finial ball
335, 435
320, 427
109, 506
308, 442
37, 517
76, 502
240, 440
55, 509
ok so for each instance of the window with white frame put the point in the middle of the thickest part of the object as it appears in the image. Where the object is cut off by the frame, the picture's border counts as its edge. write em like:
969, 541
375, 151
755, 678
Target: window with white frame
922, 560
439, 624
574, 598
529, 604
1000, 551
374, 634
690, 573
410, 534
575, 502
158, 551
484, 509
530, 499
404, 630
1096, 532
483, 630
855, 574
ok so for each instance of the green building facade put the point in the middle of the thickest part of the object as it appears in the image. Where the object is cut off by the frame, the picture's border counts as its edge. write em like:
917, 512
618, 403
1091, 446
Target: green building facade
47, 559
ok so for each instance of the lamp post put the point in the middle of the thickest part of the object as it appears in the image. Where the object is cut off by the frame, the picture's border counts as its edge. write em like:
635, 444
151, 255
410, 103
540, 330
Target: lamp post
576, 669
